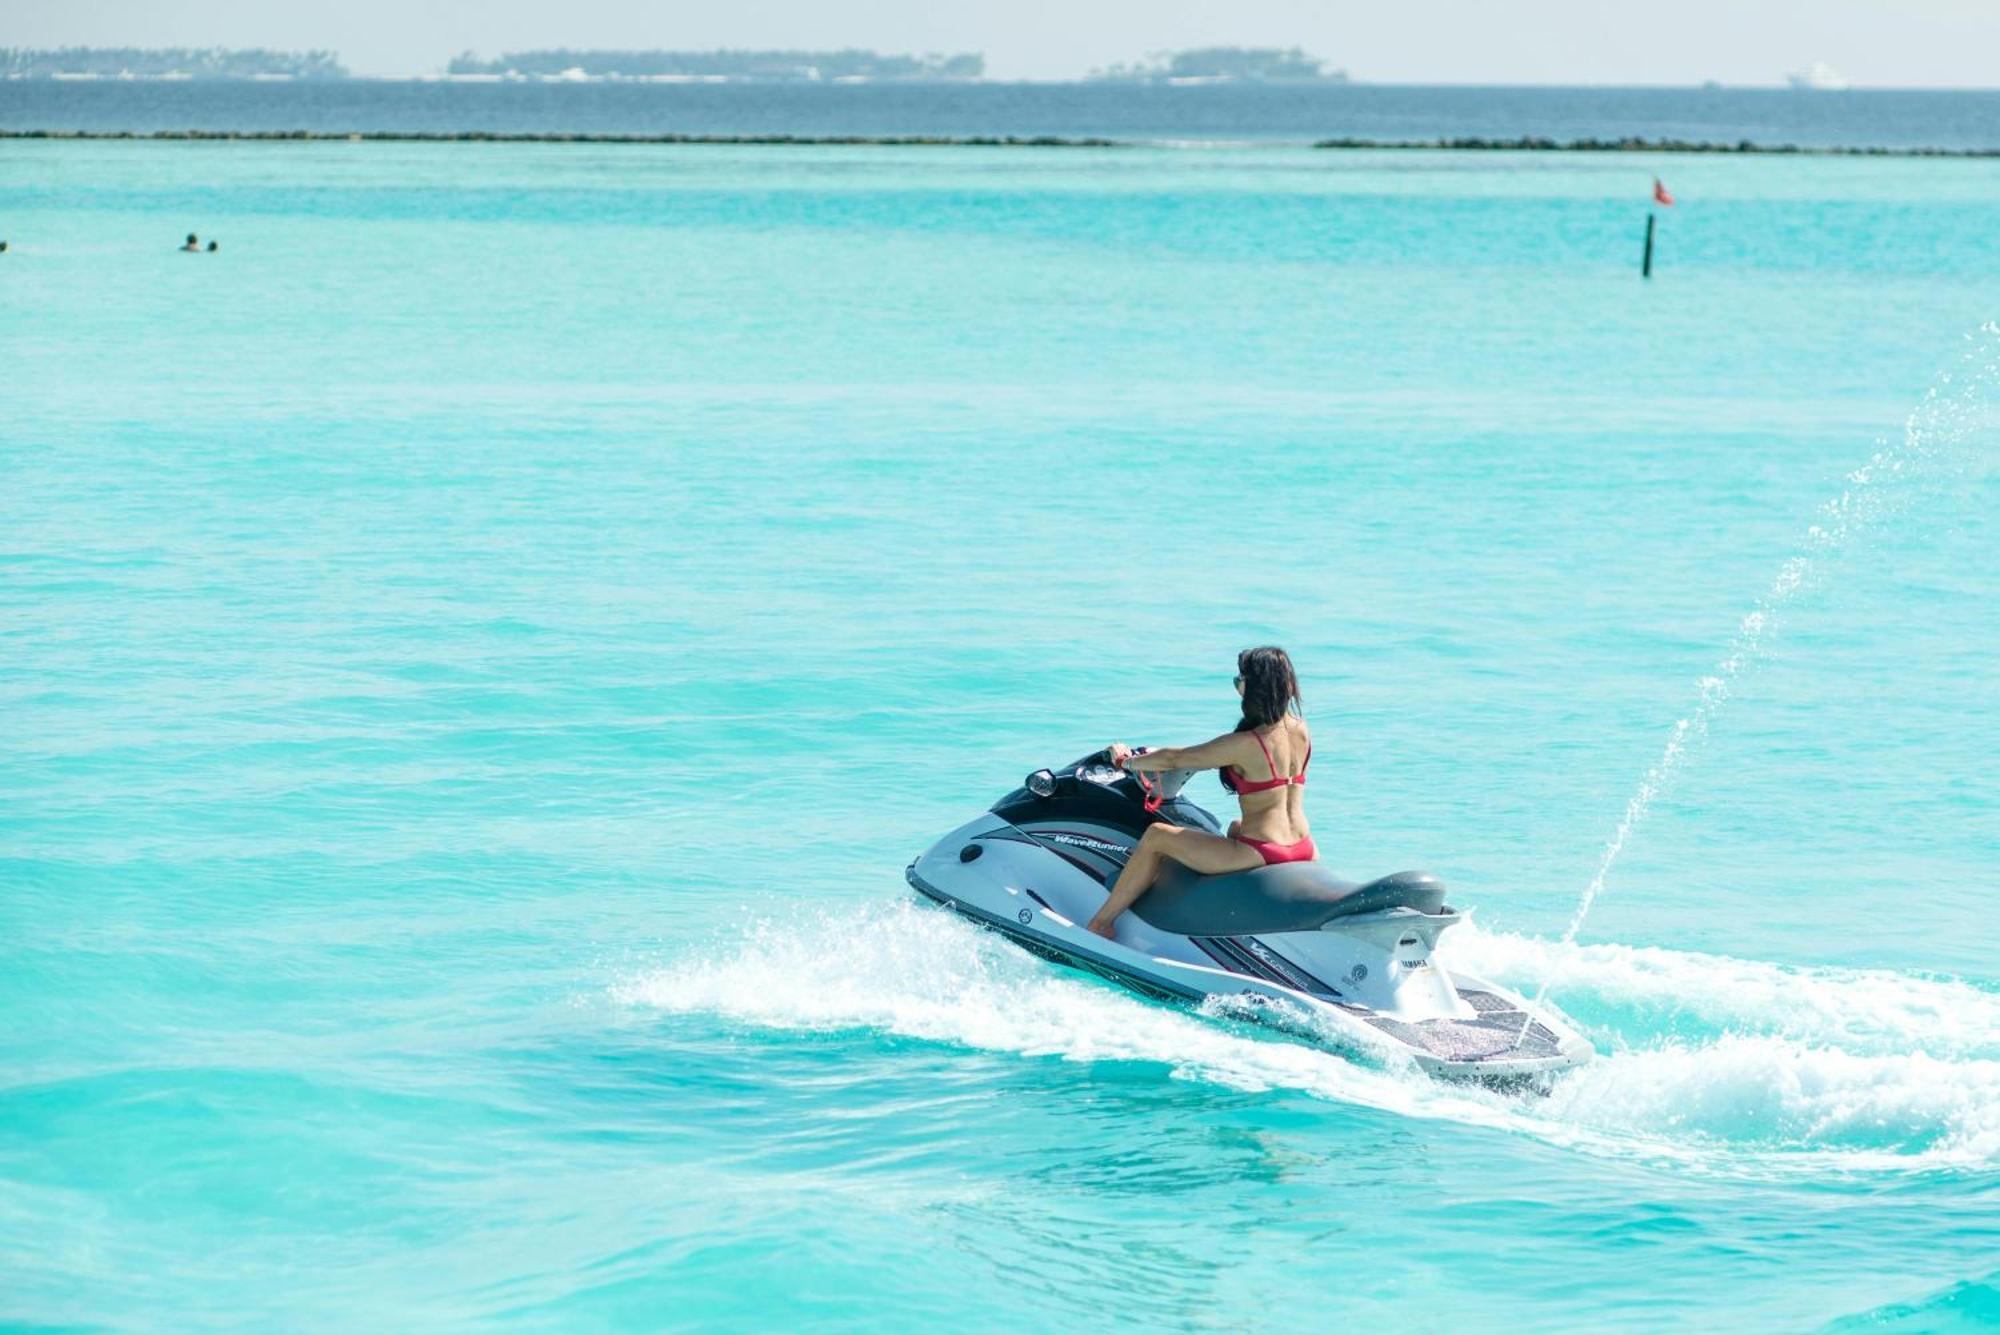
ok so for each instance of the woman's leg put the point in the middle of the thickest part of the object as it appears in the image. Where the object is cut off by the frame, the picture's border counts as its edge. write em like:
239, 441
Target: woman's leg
1197, 849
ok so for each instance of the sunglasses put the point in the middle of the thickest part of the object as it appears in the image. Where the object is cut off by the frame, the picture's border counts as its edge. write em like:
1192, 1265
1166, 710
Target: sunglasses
1239, 681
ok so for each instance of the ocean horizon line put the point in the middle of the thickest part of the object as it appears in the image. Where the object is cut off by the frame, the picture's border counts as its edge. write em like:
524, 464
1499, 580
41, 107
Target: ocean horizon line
1458, 144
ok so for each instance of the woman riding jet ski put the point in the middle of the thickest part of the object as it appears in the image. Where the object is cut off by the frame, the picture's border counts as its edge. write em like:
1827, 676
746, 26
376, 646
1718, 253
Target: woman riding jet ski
1105, 866
1273, 828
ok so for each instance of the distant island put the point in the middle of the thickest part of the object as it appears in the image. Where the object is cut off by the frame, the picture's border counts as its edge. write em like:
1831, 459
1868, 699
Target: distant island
176, 62
850, 66
1224, 64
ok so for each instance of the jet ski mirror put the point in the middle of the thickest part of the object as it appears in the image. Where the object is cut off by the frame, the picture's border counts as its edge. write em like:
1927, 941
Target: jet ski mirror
1042, 783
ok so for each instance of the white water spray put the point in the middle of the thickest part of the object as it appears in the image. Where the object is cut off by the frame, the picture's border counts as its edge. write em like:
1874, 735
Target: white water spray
1883, 487
1781, 1070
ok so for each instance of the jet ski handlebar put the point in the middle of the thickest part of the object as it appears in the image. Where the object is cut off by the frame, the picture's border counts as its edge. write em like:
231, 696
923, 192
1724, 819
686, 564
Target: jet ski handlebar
1150, 789
1158, 785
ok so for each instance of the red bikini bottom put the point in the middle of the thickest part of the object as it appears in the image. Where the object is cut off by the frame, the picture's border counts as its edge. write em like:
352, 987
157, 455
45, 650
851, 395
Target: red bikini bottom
1302, 851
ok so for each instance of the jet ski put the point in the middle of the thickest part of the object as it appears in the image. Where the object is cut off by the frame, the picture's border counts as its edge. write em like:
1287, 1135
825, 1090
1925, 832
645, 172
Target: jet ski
1291, 943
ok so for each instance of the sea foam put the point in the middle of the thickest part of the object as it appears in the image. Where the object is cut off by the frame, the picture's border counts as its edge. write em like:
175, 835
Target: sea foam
1661, 991
1819, 1081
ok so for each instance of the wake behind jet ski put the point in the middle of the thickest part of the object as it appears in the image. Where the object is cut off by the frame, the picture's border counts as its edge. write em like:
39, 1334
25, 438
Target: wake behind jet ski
1354, 960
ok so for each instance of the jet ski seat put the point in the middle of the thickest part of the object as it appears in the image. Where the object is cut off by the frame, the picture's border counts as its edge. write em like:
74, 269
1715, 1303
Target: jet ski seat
1281, 897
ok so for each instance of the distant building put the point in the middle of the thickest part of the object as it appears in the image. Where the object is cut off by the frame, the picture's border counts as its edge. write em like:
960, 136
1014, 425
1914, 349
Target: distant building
849, 66
1225, 64
128, 62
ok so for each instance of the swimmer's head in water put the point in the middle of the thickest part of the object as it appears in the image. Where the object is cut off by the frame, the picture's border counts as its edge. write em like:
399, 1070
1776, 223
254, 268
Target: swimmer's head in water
191, 238
212, 246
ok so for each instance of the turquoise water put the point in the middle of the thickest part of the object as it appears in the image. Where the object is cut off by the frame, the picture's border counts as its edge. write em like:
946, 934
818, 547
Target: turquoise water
477, 652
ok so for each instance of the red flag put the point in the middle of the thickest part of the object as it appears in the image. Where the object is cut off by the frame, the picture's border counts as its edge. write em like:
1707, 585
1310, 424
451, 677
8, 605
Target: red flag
1660, 195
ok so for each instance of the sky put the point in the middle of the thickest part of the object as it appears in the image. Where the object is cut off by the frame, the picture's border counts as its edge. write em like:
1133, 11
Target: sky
1874, 43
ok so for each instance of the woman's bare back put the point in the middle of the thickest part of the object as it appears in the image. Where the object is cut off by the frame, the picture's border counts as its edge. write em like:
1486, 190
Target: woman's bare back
1275, 815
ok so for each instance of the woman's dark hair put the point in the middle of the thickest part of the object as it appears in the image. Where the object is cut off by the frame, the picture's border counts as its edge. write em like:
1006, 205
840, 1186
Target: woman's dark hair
1270, 687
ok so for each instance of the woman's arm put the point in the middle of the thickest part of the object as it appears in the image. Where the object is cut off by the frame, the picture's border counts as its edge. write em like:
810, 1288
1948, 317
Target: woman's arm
1211, 754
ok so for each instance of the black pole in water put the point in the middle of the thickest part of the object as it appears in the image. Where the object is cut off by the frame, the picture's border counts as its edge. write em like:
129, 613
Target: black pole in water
1646, 264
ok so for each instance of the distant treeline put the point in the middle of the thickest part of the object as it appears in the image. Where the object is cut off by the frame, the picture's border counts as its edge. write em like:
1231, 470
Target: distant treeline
1235, 64
557, 137
1527, 145
1634, 144
757, 65
174, 62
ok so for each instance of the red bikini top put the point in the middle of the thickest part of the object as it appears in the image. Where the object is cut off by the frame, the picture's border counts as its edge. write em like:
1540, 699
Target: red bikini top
1240, 785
